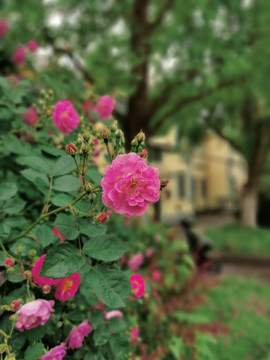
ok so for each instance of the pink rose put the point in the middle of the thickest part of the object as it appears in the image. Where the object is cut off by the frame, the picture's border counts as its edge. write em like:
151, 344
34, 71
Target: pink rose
9, 262
57, 233
156, 276
88, 107
114, 313
15, 305
65, 117
19, 56
134, 335
137, 285
149, 252
33, 46
41, 280
30, 117
100, 306
3, 28
101, 218
56, 353
33, 314
105, 107
130, 185
67, 287
77, 334
135, 262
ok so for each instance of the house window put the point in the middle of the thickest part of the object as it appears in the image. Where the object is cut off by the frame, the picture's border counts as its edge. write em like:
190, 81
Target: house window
181, 185
155, 154
204, 189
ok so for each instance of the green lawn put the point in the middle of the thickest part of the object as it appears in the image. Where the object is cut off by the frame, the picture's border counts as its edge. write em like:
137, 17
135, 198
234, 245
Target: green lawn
236, 239
245, 306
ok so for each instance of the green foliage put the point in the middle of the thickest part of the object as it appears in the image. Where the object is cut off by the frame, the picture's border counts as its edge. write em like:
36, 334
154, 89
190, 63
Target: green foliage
105, 247
34, 351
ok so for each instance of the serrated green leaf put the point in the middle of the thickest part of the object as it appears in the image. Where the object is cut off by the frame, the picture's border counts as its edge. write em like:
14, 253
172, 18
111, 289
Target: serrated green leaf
36, 163
67, 226
88, 228
40, 180
13, 206
51, 150
61, 261
105, 247
44, 235
66, 183
61, 199
101, 335
96, 318
94, 175
7, 190
120, 346
110, 284
117, 324
64, 165
34, 351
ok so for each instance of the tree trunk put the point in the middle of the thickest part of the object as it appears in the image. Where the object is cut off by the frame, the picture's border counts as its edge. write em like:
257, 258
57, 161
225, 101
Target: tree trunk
249, 204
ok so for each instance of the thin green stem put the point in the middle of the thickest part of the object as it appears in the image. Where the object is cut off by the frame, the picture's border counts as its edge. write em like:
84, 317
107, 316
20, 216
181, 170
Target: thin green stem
108, 151
43, 217
7, 254
45, 209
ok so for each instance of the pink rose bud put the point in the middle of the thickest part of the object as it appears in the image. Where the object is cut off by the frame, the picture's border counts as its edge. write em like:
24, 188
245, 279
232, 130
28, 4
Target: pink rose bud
30, 117
27, 274
19, 56
33, 314
71, 149
41, 280
163, 183
88, 107
56, 353
33, 46
105, 134
3, 28
65, 117
57, 233
9, 262
95, 153
114, 313
46, 289
149, 252
100, 306
140, 137
67, 287
156, 276
123, 260
137, 285
1, 277
105, 107
95, 142
15, 305
130, 185
101, 218
77, 335
135, 262
134, 335
143, 154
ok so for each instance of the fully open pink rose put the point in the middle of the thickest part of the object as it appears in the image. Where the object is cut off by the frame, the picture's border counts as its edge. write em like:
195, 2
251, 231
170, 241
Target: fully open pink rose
77, 334
105, 107
30, 117
3, 28
65, 117
32, 45
33, 314
56, 353
41, 280
137, 285
130, 185
19, 56
135, 262
67, 287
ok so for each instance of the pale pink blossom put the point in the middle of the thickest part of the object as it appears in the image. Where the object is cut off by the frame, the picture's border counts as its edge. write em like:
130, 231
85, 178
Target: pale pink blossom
41, 280
134, 335
65, 117
19, 56
114, 313
56, 353
3, 28
105, 107
33, 45
30, 117
130, 185
33, 314
137, 285
67, 287
57, 233
135, 262
77, 334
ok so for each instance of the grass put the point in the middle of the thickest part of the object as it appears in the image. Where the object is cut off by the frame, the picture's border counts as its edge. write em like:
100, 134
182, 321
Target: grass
245, 306
236, 239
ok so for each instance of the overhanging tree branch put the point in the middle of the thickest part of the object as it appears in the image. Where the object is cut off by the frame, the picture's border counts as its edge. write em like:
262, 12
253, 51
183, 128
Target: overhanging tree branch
164, 8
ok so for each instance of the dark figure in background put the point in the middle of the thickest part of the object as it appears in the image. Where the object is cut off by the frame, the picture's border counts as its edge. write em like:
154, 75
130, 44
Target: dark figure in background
199, 246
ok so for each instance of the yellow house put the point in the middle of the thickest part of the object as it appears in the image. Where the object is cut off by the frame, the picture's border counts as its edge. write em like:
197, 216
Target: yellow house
206, 178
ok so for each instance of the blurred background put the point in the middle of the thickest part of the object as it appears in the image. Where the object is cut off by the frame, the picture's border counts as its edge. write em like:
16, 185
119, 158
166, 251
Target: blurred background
194, 77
